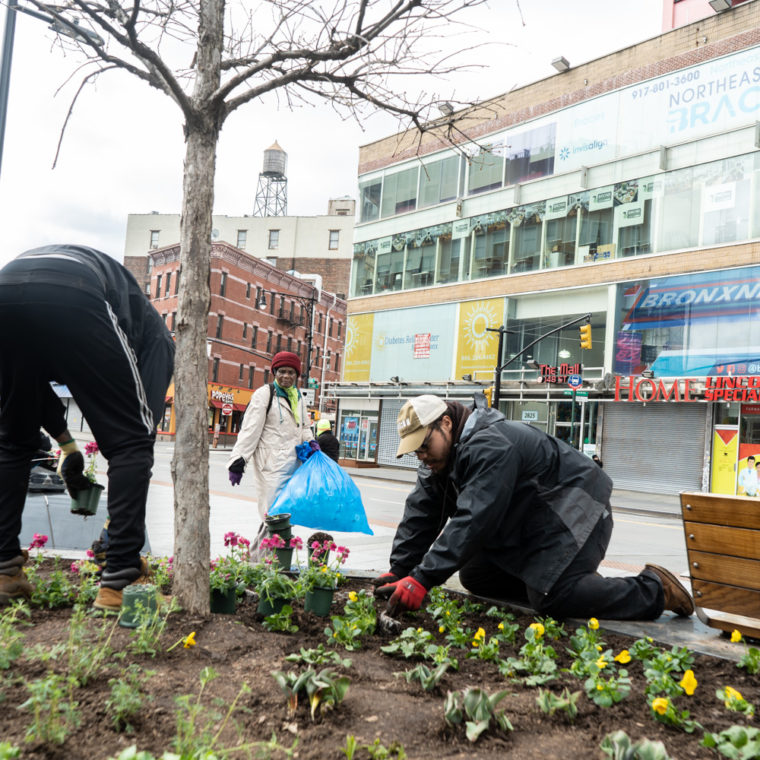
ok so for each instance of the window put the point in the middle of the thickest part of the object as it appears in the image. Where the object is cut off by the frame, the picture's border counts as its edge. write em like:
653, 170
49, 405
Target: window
369, 197
158, 286
223, 285
254, 335
340, 328
219, 323
259, 293
485, 172
266, 377
531, 154
334, 238
174, 321
215, 371
279, 343
240, 375
269, 342
154, 238
248, 290
164, 315
400, 192
176, 282
271, 302
330, 327
289, 347
274, 240
245, 330
251, 373
168, 283
319, 323
336, 366
242, 238
439, 181
147, 289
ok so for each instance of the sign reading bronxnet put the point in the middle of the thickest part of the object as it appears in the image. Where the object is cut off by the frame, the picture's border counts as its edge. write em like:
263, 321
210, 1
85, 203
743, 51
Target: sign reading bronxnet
575, 381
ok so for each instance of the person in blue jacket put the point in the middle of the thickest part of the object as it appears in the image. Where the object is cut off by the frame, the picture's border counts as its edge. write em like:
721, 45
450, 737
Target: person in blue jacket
520, 514
75, 315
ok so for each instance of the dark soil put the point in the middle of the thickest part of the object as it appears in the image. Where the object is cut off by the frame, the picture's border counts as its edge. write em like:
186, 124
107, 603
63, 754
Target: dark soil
377, 705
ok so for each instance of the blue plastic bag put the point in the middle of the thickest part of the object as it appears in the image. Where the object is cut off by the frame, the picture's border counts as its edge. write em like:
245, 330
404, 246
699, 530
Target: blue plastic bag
320, 495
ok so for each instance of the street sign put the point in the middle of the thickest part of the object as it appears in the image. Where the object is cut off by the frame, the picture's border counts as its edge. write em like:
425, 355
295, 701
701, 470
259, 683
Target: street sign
577, 394
308, 396
226, 409
575, 381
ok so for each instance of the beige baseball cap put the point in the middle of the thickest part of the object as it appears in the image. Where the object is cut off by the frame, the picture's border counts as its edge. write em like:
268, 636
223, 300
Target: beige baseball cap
414, 421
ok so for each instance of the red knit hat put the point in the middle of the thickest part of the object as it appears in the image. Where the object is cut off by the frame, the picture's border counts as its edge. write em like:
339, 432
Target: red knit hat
286, 359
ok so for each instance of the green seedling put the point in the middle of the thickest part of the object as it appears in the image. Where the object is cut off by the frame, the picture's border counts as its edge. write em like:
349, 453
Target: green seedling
377, 751
11, 619
734, 701
666, 712
53, 708
9, 751
127, 697
281, 621
536, 664
737, 742
151, 625
618, 746
429, 679
318, 656
550, 703
477, 710
324, 690
411, 642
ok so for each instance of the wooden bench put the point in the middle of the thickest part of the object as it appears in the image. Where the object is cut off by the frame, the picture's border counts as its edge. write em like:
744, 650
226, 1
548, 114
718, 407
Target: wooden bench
723, 548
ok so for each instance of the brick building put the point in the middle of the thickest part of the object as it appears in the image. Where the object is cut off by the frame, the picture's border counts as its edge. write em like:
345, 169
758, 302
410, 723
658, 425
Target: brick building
626, 189
256, 310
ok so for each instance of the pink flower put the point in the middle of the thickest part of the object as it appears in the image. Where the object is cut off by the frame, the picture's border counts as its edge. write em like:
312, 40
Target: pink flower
38, 541
90, 554
231, 538
333, 546
296, 543
91, 448
243, 541
74, 567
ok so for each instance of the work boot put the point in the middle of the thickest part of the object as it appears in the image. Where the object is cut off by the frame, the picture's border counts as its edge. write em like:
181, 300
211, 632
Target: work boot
13, 582
112, 585
677, 598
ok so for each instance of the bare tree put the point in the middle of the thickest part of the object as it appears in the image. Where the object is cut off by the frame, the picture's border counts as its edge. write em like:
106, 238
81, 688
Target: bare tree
351, 52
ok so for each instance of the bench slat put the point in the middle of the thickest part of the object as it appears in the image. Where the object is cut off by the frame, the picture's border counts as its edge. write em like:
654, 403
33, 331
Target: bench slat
738, 511
718, 539
715, 596
736, 571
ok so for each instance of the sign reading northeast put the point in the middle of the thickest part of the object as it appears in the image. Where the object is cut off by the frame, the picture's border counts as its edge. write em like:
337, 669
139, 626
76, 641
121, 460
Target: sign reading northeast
476, 347
358, 347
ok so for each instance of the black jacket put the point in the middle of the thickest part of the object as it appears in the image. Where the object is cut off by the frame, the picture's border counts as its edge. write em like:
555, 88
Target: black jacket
329, 444
526, 499
145, 331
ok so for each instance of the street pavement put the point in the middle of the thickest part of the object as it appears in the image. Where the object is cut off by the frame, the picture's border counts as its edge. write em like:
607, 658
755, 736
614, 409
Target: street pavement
647, 529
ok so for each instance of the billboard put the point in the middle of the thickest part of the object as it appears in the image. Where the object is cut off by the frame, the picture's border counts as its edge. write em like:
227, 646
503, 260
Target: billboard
476, 347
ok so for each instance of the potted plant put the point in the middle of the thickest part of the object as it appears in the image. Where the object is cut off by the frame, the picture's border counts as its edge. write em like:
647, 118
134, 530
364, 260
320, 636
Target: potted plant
274, 586
321, 576
228, 575
86, 500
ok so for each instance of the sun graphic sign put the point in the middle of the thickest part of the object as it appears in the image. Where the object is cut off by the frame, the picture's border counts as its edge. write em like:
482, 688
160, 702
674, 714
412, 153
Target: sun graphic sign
358, 347
476, 346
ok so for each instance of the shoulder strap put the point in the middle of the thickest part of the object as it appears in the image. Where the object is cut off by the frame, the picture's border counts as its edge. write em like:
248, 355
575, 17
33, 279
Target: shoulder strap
271, 396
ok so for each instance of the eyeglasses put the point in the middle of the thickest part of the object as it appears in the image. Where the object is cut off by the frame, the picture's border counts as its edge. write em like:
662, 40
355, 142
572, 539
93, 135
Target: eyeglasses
423, 447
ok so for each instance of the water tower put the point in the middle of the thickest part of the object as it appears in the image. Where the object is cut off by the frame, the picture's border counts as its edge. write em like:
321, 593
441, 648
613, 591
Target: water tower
272, 192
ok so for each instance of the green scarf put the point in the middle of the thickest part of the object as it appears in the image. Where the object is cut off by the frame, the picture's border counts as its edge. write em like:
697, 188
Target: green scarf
292, 395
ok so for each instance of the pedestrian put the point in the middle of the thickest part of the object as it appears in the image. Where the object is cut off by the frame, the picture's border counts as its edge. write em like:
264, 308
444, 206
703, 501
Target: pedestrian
595, 457
274, 423
78, 317
521, 515
327, 441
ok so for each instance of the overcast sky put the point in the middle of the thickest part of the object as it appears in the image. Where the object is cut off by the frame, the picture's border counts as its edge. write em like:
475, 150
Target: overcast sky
123, 149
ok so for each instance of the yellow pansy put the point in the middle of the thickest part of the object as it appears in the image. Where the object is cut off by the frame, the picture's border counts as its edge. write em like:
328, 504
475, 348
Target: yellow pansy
599, 687
441, 629
593, 624
189, 640
660, 705
479, 637
601, 663
538, 628
688, 683
352, 596
624, 657
731, 693
736, 637
500, 626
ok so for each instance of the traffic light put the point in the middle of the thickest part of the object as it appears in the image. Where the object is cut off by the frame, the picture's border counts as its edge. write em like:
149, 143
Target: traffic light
488, 393
313, 382
585, 331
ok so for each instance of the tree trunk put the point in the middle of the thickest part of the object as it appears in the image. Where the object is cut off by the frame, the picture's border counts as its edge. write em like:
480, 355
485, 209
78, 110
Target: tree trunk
190, 462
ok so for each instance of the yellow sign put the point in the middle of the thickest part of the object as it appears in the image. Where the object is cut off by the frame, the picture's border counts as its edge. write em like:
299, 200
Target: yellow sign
476, 346
725, 449
358, 347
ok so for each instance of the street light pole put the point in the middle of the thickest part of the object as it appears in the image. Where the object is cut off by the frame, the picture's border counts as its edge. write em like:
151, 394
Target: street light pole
5, 69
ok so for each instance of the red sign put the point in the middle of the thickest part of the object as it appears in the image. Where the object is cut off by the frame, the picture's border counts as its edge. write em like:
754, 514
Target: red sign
226, 409
558, 375
422, 346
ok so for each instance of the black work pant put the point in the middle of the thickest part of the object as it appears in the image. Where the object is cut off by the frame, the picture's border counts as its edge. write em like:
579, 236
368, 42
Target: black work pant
71, 335
579, 592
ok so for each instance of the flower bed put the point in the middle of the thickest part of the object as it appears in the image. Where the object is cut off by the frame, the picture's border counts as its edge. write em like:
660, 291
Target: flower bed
89, 688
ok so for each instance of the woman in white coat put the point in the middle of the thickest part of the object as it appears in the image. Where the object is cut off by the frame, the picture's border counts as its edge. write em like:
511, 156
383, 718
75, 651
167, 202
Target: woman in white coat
275, 422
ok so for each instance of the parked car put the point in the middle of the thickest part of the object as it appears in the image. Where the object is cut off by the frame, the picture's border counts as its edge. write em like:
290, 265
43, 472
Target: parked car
43, 477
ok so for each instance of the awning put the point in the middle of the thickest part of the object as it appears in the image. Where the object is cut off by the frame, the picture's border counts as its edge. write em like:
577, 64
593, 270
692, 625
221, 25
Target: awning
219, 404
